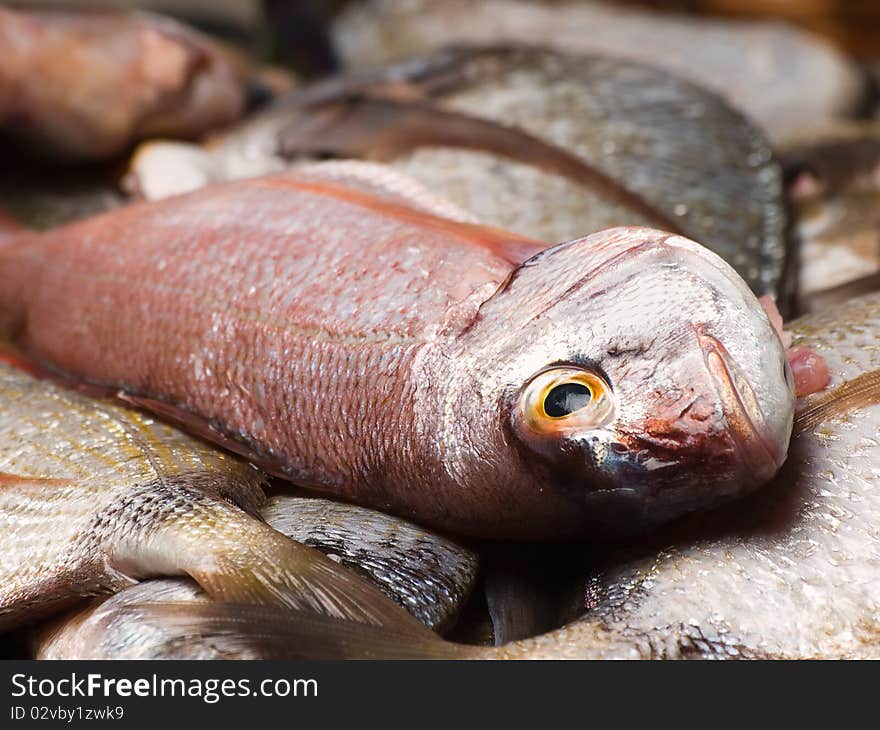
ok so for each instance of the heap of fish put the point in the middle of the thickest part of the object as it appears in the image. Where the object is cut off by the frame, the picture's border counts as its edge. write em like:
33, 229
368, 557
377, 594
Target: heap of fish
341, 327
790, 573
348, 339
124, 497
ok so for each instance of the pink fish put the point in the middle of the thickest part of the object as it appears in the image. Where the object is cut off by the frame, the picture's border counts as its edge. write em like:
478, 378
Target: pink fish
338, 332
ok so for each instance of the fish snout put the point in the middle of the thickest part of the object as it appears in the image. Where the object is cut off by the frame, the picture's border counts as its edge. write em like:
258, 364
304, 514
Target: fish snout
758, 411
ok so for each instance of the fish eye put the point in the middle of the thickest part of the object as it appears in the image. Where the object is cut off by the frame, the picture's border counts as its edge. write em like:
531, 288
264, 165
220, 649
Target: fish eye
565, 400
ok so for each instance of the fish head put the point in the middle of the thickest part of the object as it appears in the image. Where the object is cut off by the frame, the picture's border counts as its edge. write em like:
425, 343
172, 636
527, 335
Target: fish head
637, 375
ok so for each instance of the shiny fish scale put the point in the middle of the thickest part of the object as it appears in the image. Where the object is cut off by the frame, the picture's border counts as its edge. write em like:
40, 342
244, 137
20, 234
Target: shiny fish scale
427, 574
783, 77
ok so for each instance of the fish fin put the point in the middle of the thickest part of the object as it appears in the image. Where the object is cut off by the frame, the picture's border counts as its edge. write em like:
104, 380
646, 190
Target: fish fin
860, 392
381, 128
13, 357
237, 558
271, 632
175, 415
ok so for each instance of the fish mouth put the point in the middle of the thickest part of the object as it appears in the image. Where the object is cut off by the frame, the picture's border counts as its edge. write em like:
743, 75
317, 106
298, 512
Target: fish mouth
761, 451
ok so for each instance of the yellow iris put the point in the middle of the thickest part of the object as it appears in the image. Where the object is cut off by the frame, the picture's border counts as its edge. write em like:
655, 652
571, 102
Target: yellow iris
566, 399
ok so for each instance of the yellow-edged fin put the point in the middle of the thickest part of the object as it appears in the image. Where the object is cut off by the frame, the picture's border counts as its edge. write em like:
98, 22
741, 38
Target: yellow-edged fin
860, 392
274, 633
237, 558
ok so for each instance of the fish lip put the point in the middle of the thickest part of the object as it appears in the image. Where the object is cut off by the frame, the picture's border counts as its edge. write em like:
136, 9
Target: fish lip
752, 436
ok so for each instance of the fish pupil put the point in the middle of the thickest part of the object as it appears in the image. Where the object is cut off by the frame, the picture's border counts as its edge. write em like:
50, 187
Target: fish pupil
566, 399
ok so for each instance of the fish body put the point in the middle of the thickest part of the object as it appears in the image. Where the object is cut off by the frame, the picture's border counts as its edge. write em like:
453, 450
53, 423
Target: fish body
113, 629
354, 343
174, 619
85, 85
790, 573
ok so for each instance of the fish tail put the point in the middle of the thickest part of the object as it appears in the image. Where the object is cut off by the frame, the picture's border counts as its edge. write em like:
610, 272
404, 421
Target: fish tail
272, 632
237, 558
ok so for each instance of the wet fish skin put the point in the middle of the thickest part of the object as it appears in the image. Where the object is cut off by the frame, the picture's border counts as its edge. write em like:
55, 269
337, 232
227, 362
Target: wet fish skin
173, 619
427, 574
631, 121
104, 630
118, 628
259, 299
95, 496
85, 85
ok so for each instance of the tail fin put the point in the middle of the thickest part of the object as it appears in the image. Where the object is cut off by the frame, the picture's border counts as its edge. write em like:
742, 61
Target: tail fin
273, 632
238, 559
174, 619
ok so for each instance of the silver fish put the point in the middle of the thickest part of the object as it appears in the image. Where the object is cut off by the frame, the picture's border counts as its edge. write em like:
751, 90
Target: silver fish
428, 575
114, 629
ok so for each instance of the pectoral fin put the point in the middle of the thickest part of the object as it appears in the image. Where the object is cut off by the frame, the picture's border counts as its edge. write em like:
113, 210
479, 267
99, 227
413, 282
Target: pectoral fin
202, 428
